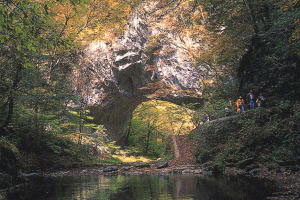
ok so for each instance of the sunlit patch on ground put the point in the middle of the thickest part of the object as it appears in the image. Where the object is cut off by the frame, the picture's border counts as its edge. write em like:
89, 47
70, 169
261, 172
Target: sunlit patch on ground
123, 156
130, 159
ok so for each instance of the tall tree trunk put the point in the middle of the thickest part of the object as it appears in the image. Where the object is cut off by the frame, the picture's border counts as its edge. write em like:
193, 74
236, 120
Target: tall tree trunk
80, 127
266, 18
148, 139
250, 7
11, 97
126, 139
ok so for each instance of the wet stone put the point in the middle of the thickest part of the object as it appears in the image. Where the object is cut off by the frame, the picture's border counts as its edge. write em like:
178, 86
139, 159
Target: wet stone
187, 171
143, 165
126, 168
198, 171
254, 171
207, 173
31, 175
110, 169
177, 171
163, 165
250, 167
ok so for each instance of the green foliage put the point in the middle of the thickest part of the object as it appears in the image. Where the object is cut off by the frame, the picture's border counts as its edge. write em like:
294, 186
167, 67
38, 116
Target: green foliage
151, 125
33, 66
282, 153
146, 140
274, 54
5, 143
262, 135
36, 58
45, 150
204, 156
257, 43
215, 167
9, 157
213, 109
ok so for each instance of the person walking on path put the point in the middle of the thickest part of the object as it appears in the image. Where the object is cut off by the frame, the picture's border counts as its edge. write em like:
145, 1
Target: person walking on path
240, 104
260, 100
250, 98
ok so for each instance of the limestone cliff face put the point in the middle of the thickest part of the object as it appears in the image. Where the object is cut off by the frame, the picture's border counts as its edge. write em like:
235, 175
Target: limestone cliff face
148, 61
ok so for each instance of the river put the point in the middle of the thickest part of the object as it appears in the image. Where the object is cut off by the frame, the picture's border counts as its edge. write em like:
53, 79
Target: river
142, 187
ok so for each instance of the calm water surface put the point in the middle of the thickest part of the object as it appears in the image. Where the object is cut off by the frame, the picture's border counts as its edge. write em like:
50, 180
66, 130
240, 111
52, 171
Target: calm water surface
143, 187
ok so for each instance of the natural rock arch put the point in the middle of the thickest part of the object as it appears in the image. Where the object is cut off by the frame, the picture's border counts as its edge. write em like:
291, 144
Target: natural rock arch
113, 78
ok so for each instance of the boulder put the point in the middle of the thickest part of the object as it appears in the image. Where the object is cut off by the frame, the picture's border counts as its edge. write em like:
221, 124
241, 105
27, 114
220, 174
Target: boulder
163, 165
207, 173
126, 168
110, 169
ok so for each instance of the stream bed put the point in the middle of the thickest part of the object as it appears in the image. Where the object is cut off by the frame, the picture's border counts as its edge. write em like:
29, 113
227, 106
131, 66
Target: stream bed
143, 187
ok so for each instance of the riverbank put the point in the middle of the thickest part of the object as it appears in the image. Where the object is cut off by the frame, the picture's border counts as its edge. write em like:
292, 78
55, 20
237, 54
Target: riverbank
287, 182
262, 143
137, 187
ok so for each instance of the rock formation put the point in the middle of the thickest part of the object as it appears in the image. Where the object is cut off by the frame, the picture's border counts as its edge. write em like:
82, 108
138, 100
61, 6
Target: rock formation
148, 61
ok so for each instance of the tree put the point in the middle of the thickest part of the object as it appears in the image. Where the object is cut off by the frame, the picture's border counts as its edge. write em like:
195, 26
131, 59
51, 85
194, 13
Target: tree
26, 43
40, 47
88, 20
152, 124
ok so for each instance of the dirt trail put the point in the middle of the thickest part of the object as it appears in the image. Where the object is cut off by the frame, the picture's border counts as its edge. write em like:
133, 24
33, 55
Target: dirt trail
175, 146
182, 146
182, 150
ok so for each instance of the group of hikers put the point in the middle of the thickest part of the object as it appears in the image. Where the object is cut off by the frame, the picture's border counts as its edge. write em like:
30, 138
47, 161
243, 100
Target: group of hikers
253, 102
239, 105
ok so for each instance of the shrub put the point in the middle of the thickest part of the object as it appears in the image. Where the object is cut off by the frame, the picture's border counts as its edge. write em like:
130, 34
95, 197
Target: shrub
9, 157
264, 135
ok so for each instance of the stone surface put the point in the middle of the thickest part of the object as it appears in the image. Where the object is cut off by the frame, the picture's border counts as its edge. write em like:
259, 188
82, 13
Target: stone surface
207, 173
147, 62
163, 165
126, 168
32, 175
110, 169
142, 165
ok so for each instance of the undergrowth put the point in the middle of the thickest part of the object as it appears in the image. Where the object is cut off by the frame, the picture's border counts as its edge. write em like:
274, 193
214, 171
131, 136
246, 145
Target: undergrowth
267, 136
28, 151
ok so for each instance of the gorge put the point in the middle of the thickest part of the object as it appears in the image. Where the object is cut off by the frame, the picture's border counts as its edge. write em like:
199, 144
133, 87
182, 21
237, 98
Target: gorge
103, 88
147, 62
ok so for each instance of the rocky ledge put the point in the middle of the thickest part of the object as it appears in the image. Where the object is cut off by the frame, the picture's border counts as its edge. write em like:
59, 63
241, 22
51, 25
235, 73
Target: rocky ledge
133, 169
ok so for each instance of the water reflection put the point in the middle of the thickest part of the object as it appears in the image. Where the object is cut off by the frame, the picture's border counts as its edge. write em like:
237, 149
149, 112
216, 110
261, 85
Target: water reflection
180, 187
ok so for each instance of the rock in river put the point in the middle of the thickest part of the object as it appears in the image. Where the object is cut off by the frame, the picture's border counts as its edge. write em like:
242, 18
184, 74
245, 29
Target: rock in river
110, 169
